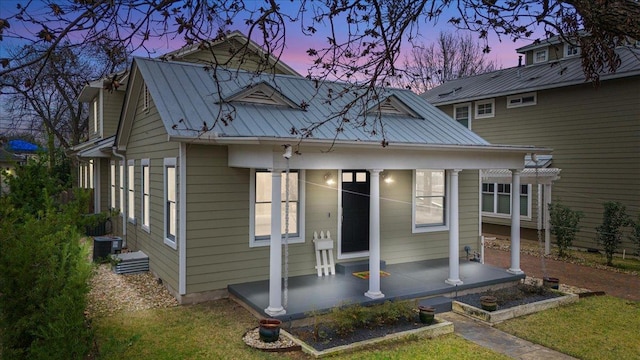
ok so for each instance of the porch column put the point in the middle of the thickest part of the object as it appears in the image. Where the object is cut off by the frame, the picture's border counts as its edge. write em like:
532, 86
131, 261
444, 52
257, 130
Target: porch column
515, 222
454, 231
275, 248
547, 219
374, 236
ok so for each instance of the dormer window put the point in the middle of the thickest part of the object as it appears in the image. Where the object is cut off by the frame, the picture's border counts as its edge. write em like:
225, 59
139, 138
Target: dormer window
571, 50
540, 56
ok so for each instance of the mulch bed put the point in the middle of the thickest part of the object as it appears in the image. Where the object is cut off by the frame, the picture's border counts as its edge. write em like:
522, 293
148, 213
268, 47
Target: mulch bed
330, 339
512, 296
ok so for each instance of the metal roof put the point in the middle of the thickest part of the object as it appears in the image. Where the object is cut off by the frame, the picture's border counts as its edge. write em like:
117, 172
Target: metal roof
187, 96
523, 79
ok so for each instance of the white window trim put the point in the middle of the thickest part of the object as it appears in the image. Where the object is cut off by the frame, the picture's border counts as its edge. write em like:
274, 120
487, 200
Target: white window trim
447, 198
168, 162
484, 102
145, 163
496, 214
546, 56
252, 208
458, 106
568, 46
131, 195
95, 115
121, 187
520, 96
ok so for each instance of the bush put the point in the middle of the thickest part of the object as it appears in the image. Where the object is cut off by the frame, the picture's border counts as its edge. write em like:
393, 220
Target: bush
564, 225
635, 234
44, 274
345, 320
609, 234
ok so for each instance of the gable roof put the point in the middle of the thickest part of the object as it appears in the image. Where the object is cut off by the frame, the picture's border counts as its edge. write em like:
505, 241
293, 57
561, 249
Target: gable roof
187, 96
515, 80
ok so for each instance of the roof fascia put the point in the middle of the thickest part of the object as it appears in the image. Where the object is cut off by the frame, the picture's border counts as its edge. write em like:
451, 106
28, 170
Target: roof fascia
134, 85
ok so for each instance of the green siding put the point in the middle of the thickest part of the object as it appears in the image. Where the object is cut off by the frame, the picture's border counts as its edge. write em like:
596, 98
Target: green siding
112, 108
595, 136
148, 140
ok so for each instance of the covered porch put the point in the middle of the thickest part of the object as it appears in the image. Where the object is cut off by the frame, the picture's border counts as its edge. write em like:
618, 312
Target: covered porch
413, 280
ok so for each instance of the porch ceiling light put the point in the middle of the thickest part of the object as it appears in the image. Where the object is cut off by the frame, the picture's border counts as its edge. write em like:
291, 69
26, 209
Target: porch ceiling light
386, 177
328, 178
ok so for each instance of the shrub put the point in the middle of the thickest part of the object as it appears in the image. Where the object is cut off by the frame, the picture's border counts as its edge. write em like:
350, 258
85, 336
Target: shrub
635, 234
609, 233
564, 225
44, 275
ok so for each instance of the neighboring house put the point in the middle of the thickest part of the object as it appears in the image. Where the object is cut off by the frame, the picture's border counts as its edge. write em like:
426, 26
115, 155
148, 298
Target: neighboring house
207, 199
594, 131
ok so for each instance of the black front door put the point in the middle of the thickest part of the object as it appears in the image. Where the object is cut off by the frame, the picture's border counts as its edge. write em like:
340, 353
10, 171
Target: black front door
355, 211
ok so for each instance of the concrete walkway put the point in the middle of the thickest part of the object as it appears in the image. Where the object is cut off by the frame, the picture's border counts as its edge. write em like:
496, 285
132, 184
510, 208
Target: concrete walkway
499, 341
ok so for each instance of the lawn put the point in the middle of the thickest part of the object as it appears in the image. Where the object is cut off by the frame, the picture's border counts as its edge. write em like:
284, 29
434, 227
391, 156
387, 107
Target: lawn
601, 327
214, 331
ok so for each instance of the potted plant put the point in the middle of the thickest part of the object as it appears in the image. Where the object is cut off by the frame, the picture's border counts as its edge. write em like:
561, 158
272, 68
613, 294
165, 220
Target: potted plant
489, 303
269, 330
427, 314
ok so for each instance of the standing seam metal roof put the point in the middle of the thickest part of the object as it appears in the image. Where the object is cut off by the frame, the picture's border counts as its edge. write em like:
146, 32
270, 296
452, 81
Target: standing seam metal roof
186, 95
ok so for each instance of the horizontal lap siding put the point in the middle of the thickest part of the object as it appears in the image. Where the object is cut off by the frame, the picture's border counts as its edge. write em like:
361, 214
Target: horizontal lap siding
105, 182
148, 140
111, 111
399, 244
595, 134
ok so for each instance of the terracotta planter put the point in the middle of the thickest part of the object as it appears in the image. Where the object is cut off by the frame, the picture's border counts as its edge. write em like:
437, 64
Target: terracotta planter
551, 282
489, 303
269, 330
427, 314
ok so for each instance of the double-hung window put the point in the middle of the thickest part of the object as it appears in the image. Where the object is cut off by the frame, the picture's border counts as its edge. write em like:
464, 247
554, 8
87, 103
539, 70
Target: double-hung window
429, 200
260, 193
113, 184
170, 202
462, 114
496, 199
131, 207
540, 56
144, 203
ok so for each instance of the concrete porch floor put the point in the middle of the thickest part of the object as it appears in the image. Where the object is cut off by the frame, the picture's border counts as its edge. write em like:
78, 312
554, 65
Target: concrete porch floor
413, 280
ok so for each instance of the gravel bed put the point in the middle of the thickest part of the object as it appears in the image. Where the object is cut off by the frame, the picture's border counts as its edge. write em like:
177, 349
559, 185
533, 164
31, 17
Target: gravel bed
252, 338
112, 293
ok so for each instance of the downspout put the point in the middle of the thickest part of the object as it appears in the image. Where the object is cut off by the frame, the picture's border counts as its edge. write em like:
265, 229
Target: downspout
125, 178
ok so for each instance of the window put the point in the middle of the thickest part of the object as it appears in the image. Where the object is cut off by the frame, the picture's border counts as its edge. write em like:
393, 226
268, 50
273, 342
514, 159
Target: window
484, 109
145, 98
121, 185
429, 205
527, 99
144, 204
131, 211
571, 50
462, 114
496, 199
95, 115
540, 56
113, 185
260, 205
170, 202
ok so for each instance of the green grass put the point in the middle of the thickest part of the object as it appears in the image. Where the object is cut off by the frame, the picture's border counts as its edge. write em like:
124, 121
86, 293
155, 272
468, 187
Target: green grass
593, 328
214, 331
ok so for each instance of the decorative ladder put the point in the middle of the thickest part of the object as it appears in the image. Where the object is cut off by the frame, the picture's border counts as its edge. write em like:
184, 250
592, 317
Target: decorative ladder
324, 253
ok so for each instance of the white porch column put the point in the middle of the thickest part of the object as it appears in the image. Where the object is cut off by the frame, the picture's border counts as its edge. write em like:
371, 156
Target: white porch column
374, 236
275, 247
454, 231
515, 222
547, 219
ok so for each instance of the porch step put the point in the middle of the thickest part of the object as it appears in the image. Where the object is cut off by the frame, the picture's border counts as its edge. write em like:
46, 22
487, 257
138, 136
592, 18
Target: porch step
441, 303
356, 266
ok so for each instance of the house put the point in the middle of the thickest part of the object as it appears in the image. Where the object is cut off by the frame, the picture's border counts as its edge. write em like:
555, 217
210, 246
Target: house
207, 163
102, 170
594, 132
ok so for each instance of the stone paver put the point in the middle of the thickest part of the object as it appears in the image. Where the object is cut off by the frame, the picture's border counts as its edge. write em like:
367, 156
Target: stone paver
499, 341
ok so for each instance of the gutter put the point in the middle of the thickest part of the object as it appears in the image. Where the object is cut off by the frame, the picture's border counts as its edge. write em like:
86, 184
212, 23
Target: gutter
123, 209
